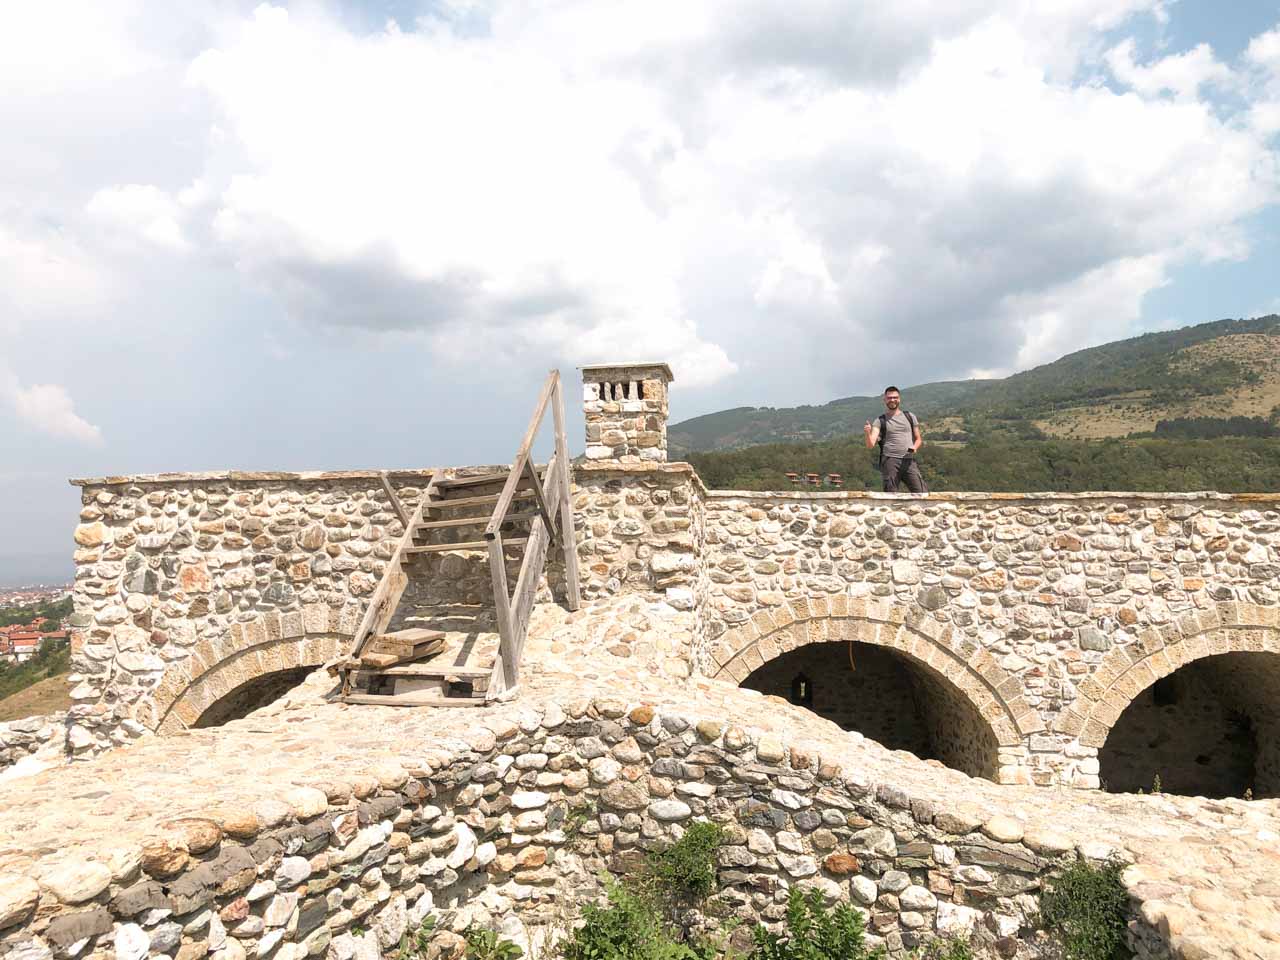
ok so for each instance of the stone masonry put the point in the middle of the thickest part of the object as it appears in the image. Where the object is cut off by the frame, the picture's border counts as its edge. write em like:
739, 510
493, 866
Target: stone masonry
320, 830
1040, 617
626, 411
1022, 629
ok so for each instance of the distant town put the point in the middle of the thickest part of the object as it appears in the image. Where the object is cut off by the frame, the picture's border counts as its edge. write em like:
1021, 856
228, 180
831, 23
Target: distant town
33, 617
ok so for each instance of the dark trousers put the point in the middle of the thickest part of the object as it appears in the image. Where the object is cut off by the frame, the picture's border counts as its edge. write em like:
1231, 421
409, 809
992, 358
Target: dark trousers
899, 471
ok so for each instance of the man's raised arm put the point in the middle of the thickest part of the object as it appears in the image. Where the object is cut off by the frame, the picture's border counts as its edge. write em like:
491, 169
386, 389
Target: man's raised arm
872, 434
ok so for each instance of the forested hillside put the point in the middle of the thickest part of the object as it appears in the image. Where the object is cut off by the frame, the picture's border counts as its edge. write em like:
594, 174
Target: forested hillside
1230, 368
1008, 462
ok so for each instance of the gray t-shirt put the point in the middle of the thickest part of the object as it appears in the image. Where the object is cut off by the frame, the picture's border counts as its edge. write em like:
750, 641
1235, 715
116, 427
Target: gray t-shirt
898, 434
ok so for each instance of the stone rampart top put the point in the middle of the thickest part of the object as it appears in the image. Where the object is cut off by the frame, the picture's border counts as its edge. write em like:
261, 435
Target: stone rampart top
976, 496
255, 476
599, 371
124, 809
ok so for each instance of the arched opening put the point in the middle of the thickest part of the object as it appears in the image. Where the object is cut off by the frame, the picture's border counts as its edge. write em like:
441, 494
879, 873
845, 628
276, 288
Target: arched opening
1209, 728
250, 696
888, 697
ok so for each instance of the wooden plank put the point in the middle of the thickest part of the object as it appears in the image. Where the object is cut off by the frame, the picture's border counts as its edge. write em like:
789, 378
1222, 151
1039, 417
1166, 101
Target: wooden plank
465, 545
517, 465
443, 524
526, 590
497, 680
386, 597
436, 671
407, 650
396, 505
475, 501
409, 700
502, 604
471, 521
452, 483
413, 635
371, 658
568, 538
542, 503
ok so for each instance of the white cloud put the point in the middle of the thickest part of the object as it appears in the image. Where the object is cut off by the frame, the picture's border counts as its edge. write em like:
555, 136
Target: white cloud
740, 188
47, 275
1182, 74
144, 210
47, 408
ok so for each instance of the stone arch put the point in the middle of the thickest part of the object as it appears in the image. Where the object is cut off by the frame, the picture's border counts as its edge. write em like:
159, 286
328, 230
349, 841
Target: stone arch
264, 647
994, 693
1126, 671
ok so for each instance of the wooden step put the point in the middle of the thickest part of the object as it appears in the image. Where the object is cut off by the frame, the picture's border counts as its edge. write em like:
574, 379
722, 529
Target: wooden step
471, 521
473, 501
453, 483
465, 545
413, 642
480, 480
412, 700
437, 671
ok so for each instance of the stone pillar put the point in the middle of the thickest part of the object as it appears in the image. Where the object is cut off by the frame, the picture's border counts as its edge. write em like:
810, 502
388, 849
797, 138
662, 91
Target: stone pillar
626, 411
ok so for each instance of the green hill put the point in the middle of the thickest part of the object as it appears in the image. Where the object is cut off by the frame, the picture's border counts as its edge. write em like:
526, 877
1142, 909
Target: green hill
1229, 368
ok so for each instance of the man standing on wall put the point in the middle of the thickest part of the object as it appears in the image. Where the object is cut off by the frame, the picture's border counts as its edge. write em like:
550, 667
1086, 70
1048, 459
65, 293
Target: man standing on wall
898, 433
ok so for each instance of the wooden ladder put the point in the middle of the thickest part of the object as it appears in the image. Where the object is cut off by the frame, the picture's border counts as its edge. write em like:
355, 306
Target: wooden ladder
520, 511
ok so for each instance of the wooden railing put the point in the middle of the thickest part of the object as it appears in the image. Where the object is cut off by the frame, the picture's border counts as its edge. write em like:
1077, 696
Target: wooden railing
551, 492
382, 605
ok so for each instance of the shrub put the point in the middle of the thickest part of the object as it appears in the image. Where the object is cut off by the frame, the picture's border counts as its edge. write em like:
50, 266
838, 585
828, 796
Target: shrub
944, 950
1085, 907
814, 933
629, 928
686, 870
485, 945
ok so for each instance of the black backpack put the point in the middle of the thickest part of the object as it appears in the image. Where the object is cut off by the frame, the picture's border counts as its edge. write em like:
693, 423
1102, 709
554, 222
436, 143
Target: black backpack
882, 422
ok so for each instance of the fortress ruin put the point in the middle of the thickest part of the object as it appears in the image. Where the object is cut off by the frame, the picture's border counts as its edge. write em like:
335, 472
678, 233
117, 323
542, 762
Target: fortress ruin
920, 705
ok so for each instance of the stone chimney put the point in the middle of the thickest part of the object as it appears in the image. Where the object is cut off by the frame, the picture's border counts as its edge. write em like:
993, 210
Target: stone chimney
626, 411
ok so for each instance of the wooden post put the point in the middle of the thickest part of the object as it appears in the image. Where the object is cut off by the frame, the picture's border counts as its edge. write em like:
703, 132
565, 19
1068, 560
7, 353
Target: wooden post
382, 605
502, 605
568, 540
396, 505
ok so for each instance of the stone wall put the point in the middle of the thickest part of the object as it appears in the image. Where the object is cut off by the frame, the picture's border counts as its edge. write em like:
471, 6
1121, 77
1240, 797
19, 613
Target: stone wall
510, 828
1043, 615
640, 530
22, 738
625, 408
175, 573
1042, 589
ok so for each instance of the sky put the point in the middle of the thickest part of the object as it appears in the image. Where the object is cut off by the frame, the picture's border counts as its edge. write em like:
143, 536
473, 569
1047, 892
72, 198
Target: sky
324, 235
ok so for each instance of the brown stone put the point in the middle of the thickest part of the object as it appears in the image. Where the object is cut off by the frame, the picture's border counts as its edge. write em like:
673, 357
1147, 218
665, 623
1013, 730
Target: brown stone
641, 715
198, 835
164, 858
235, 911
194, 578
709, 729
533, 857
90, 534
842, 864
238, 822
